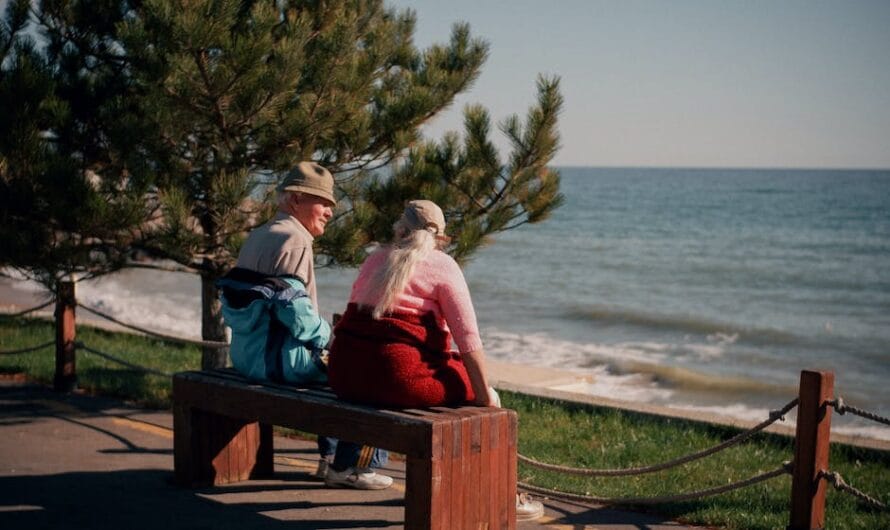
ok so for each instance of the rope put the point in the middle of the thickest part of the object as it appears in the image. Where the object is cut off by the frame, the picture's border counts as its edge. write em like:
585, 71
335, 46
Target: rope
81, 346
172, 338
785, 468
26, 350
835, 479
842, 408
26, 311
774, 416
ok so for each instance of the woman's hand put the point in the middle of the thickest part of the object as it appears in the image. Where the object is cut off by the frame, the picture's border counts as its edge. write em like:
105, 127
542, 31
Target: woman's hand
493, 397
489, 399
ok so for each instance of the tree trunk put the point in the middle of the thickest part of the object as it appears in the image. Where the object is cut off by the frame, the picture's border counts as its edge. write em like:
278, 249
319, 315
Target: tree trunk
212, 327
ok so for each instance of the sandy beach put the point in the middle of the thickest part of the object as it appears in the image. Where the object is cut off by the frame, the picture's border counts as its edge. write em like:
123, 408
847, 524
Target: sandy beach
13, 300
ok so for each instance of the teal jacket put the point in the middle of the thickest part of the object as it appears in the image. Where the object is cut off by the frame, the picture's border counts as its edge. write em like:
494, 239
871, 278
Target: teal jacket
277, 335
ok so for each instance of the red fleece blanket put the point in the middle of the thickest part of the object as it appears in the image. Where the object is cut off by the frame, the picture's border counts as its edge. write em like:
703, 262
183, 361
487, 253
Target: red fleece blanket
397, 361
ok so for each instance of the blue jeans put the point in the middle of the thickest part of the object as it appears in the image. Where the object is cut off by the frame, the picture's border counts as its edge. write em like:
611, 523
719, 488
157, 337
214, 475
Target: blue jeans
349, 454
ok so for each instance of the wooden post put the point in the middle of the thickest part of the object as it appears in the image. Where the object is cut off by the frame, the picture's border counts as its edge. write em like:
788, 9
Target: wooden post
65, 379
811, 450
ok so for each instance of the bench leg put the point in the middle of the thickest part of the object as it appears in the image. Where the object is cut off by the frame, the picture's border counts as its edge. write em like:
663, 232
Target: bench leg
470, 481
213, 449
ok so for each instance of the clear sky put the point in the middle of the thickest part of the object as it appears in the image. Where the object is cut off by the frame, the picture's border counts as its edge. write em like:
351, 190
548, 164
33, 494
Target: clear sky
746, 83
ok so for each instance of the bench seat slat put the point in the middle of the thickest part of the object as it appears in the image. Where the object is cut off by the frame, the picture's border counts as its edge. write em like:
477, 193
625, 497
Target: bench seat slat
234, 380
231, 375
403, 433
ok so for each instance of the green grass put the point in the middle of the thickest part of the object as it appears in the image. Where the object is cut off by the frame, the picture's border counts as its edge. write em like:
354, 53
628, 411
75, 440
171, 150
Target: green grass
95, 374
550, 431
585, 436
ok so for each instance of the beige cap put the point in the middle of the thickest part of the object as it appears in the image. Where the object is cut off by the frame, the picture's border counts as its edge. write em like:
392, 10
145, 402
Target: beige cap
311, 178
424, 214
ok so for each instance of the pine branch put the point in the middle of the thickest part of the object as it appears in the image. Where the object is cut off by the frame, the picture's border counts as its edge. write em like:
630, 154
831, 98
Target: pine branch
200, 58
480, 207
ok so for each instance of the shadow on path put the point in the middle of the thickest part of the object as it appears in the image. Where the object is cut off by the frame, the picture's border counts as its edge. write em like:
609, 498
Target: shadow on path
138, 500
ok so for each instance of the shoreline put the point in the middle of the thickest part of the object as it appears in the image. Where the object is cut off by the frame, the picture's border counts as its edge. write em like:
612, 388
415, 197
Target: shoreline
528, 379
537, 381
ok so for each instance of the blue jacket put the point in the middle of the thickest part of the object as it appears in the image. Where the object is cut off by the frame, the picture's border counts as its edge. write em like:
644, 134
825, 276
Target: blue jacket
276, 333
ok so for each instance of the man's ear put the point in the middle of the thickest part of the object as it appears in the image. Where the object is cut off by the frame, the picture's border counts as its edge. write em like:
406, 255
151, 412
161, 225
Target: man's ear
293, 200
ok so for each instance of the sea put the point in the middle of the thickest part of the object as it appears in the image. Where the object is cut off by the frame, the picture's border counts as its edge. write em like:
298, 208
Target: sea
699, 289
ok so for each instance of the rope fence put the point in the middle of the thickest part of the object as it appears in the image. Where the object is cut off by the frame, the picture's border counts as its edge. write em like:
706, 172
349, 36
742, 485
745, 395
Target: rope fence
813, 502
835, 479
774, 416
28, 350
171, 338
81, 346
709, 492
70, 302
842, 408
26, 311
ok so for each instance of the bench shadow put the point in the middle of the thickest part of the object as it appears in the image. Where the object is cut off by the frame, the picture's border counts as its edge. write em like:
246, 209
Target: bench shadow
141, 500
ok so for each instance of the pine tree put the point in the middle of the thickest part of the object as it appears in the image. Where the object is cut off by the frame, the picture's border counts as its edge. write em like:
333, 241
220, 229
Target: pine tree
216, 98
68, 202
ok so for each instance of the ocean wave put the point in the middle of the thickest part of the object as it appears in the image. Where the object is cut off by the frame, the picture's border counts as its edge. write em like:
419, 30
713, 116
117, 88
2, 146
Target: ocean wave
630, 388
637, 372
681, 324
678, 377
651, 364
160, 301
544, 349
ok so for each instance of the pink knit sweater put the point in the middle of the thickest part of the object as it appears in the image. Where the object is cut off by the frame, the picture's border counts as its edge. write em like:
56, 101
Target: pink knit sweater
438, 285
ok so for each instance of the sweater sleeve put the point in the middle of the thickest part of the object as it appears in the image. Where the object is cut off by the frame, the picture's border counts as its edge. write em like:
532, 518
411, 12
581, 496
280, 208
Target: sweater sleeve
457, 307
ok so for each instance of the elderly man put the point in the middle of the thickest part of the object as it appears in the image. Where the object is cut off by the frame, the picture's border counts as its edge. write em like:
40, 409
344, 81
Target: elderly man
269, 301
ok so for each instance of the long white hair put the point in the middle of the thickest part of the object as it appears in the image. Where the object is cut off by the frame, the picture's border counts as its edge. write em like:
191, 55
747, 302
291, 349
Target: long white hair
410, 246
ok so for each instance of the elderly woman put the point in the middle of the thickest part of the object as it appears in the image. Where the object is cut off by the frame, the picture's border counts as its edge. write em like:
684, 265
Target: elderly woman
392, 346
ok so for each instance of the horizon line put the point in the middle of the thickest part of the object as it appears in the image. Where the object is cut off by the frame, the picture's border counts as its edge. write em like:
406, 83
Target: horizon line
757, 168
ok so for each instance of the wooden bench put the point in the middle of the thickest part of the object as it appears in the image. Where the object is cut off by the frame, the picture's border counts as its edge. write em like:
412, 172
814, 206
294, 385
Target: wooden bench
460, 461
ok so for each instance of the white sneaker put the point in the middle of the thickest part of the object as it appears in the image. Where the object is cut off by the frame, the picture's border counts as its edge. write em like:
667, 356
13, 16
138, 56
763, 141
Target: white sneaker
322, 470
527, 509
358, 478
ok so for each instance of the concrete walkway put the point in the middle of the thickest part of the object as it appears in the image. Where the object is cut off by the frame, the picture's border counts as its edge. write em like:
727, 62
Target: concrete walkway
80, 462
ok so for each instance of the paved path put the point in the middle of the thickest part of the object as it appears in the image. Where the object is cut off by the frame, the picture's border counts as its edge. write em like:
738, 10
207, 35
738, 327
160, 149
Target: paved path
80, 462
